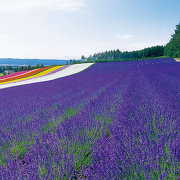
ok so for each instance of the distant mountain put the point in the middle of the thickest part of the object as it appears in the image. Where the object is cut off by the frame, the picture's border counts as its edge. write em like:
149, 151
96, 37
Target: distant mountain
20, 62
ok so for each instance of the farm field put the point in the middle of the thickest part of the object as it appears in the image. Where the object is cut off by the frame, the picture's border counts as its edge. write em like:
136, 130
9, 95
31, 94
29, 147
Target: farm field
117, 120
41, 75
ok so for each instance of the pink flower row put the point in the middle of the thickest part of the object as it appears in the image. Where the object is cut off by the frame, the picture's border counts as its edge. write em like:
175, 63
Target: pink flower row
14, 74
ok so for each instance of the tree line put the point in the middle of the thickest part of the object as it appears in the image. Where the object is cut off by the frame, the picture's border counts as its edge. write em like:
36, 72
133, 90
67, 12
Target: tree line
155, 51
172, 49
25, 68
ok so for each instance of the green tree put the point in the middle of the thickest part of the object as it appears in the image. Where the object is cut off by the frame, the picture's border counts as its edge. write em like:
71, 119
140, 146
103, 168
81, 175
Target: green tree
172, 49
117, 55
83, 58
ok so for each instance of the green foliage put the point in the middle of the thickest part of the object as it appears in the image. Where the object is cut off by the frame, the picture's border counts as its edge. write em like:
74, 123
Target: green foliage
172, 49
25, 68
42, 171
83, 57
5, 68
75, 62
117, 55
70, 112
19, 148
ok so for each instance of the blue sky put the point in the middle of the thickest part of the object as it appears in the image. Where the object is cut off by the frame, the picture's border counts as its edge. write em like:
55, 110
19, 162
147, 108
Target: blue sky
67, 29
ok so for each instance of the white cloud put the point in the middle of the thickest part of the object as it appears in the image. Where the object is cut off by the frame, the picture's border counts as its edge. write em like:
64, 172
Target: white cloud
124, 36
60, 5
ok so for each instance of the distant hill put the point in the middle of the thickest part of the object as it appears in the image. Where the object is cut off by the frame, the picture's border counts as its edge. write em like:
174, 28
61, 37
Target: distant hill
20, 62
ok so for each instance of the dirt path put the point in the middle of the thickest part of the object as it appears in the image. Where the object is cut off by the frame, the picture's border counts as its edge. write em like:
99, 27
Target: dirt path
177, 59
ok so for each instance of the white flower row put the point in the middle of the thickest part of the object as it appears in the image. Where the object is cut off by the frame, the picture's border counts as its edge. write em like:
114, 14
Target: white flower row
73, 69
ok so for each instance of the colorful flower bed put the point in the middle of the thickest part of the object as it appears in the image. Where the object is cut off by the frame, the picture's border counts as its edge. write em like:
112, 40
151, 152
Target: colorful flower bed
47, 75
14, 74
36, 74
53, 70
110, 121
30, 73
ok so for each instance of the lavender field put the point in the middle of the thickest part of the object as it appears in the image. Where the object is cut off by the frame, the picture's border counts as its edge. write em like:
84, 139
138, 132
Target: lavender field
117, 120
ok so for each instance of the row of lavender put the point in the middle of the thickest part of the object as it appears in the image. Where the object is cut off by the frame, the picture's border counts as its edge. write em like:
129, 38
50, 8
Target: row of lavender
113, 120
